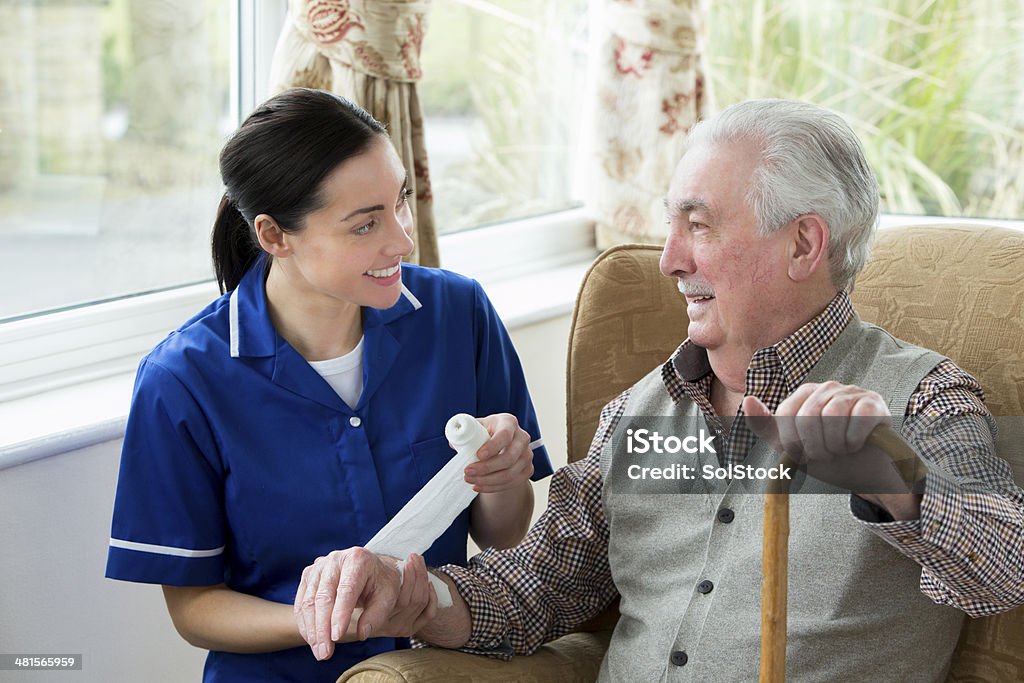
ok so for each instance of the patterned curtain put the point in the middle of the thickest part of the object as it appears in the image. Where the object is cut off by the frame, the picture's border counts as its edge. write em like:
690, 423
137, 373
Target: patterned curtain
651, 88
368, 51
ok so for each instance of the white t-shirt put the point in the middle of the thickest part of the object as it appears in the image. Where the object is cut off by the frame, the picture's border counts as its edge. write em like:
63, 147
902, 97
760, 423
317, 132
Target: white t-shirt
344, 374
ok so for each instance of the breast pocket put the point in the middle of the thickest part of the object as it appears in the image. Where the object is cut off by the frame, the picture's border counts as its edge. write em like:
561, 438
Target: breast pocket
430, 456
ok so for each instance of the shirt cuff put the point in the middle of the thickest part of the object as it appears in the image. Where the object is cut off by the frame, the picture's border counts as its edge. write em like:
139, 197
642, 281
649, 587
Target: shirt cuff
937, 525
489, 632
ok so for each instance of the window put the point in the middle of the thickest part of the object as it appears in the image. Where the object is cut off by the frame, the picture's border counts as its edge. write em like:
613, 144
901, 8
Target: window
112, 115
502, 96
935, 90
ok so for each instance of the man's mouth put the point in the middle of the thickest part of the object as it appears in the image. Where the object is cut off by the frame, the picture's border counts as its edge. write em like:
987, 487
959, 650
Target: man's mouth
695, 291
387, 272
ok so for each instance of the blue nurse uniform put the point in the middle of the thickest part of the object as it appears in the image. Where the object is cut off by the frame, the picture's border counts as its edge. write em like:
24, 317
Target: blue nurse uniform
241, 465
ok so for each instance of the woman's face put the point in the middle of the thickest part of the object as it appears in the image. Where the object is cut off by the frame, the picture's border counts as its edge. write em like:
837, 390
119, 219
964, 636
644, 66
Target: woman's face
351, 248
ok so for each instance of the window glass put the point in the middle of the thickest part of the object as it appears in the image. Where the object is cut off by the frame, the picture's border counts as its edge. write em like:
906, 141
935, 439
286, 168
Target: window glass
111, 116
502, 95
935, 90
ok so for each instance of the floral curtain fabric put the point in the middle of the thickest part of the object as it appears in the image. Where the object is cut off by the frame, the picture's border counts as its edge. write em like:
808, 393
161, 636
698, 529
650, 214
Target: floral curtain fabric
368, 51
651, 87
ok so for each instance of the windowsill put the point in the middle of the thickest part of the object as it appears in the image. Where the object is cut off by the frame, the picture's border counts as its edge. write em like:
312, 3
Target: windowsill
93, 412
63, 420
887, 221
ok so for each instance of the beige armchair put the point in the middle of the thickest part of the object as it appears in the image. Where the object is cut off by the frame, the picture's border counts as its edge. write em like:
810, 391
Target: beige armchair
956, 289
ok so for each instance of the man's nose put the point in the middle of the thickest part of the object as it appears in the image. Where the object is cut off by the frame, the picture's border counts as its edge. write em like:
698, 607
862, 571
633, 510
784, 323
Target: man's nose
676, 257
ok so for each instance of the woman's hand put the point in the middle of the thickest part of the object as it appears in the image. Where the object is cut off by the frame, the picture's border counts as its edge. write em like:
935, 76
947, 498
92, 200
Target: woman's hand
505, 460
500, 515
335, 585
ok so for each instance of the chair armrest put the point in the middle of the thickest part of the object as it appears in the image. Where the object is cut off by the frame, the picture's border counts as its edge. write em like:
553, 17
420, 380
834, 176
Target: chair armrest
990, 649
574, 658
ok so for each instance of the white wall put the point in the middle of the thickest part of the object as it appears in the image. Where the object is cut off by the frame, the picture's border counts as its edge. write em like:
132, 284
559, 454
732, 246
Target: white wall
54, 526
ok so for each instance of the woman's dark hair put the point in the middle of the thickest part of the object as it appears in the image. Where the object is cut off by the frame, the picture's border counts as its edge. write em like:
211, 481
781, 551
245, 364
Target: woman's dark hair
275, 163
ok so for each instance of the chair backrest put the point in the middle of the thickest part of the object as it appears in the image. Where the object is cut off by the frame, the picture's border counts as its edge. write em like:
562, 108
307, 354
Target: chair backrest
628, 319
957, 289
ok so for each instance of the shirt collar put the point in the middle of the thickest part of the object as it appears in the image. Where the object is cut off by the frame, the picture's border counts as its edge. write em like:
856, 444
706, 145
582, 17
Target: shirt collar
407, 303
688, 369
801, 351
251, 331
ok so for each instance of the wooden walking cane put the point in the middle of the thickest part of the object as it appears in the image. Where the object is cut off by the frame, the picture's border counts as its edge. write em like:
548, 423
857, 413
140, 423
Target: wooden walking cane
775, 550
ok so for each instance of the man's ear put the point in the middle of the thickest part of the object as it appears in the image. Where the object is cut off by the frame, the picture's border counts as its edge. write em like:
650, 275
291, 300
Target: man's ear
808, 247
271, 237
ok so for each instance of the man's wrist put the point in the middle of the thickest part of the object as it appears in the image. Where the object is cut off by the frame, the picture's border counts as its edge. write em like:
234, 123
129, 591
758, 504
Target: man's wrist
899, 506
452, 626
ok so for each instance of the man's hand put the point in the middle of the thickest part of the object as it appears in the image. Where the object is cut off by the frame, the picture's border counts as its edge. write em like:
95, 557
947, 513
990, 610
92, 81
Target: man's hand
505, 460
825, 428
798, 426
335, 585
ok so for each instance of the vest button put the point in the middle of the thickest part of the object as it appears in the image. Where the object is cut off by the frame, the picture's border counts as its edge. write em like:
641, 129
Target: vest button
355, 421
705, 587
725, 515
679, 658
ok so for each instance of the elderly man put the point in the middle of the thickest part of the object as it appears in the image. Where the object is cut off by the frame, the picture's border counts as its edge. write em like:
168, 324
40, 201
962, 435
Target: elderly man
771, 209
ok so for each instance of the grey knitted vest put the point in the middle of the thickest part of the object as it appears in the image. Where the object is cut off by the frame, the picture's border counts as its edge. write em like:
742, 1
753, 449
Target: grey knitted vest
691, 582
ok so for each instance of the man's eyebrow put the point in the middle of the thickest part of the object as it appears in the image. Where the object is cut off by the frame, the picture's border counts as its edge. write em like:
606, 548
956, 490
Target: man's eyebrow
685, 206
375, 207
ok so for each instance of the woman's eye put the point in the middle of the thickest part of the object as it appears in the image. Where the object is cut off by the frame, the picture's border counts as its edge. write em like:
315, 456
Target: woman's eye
363, 229
407, 194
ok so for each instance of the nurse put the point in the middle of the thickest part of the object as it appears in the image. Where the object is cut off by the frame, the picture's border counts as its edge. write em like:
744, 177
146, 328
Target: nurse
302, 409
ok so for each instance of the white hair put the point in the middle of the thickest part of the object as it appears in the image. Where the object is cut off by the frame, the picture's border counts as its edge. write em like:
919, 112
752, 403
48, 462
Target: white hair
811, 162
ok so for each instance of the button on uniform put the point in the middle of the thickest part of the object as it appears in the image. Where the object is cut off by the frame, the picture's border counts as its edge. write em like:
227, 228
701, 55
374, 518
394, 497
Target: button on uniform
355, 421
705, 587
725, 515
679, 658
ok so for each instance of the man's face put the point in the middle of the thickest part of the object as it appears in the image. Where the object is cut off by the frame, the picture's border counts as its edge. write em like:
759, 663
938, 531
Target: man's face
732, 277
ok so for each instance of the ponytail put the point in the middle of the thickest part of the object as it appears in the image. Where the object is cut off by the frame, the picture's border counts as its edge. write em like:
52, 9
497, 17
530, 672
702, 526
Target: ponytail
234, 248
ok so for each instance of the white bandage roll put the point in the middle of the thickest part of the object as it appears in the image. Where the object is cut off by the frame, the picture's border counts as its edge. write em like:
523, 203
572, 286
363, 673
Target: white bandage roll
433, 509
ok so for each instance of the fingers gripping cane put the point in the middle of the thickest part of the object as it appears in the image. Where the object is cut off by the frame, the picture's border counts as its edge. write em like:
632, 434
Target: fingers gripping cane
775, 550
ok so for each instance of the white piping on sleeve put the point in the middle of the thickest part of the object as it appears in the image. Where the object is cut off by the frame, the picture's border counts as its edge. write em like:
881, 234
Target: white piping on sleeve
534, 445
164, 549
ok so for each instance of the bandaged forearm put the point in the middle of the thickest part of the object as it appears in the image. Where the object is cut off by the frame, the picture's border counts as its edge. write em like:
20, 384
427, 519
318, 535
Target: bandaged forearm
433, 509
